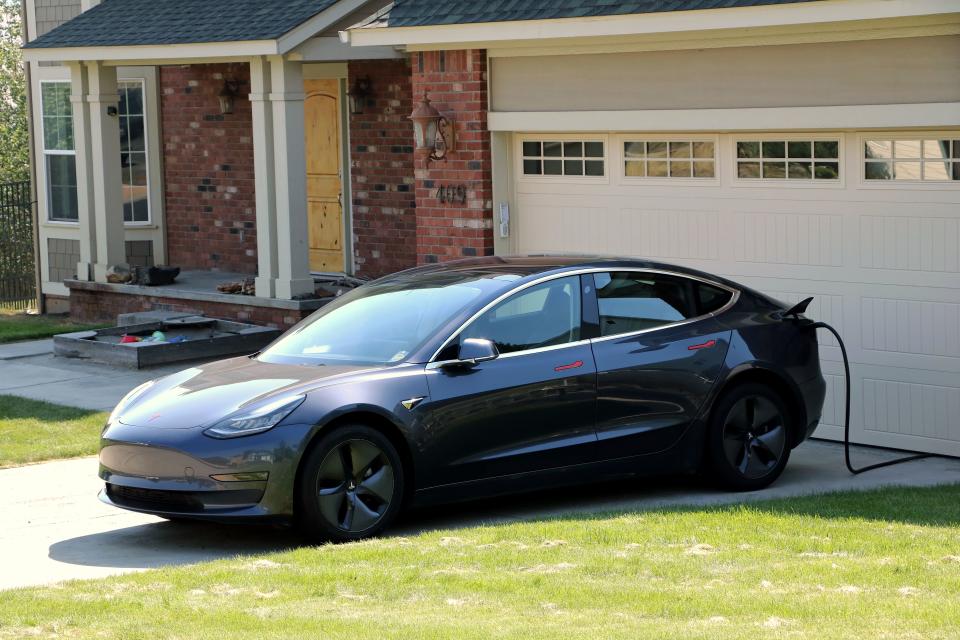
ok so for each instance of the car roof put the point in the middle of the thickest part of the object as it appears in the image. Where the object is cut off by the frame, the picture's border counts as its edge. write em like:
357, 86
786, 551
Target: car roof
532, 265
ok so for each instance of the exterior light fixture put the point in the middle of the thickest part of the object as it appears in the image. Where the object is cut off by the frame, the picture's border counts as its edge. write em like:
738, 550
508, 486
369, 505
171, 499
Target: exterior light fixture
358, 94
229, 92
432, 131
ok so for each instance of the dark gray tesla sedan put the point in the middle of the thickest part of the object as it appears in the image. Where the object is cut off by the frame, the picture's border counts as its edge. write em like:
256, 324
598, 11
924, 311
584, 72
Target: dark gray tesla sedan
473, 378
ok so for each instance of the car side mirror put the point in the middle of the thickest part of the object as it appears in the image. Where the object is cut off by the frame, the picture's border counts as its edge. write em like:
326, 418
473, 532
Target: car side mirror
473, 351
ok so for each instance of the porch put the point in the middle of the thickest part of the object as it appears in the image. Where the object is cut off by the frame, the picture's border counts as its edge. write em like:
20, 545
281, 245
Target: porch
243, 165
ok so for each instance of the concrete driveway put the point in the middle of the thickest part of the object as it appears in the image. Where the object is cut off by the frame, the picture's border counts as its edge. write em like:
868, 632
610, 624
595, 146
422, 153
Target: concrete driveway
54, 528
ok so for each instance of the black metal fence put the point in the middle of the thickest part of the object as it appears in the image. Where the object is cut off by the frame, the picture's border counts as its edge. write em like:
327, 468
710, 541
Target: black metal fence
17, 276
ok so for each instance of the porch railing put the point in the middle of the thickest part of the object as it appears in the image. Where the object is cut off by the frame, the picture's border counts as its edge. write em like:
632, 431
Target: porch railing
17, 275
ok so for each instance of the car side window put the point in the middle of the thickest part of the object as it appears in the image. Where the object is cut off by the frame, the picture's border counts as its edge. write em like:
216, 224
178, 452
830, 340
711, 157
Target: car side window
632, 301
544, 315
710, 298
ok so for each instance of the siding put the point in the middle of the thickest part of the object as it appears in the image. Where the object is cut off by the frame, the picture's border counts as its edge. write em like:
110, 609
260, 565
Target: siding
900, 71
53, 13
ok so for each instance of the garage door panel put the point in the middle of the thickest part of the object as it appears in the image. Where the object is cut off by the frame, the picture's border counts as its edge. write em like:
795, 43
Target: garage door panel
915, 243
789, 238
912, 327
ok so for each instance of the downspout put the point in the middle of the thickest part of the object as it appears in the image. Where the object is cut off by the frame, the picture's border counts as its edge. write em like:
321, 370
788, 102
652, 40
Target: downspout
34, 206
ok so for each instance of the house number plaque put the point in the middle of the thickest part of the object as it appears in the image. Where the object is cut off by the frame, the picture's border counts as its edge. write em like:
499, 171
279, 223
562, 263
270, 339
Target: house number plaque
452, 194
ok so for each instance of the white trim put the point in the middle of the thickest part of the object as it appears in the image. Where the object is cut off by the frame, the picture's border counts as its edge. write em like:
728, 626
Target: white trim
884, 116
157, 53
806, 13
325, 48
326, 18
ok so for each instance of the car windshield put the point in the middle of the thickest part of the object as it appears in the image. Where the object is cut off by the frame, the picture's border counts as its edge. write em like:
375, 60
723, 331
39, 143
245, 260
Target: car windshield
384, 322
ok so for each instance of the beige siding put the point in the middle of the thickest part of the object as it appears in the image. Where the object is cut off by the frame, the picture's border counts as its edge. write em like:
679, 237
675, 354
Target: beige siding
53, 13
899, 71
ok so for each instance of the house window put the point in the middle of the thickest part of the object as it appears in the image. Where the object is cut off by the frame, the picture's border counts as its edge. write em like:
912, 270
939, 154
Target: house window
563, 158
788, 159
927, 160
59, 156
669, 159
133, 152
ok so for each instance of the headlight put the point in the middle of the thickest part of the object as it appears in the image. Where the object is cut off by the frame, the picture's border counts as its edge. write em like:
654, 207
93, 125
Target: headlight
128, 400
257, 420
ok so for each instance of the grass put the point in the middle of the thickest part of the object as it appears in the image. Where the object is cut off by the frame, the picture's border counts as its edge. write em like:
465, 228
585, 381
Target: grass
32, 431
882, 564
17, 325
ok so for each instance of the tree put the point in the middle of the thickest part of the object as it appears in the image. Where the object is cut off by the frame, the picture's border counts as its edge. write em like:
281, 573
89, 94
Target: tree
14, 141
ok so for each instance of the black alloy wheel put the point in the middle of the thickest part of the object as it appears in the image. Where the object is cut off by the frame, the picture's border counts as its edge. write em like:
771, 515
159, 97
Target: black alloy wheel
352, 485
749, 438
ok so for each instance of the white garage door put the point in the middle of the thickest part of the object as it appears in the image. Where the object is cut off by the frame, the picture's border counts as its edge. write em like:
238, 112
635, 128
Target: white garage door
867, 222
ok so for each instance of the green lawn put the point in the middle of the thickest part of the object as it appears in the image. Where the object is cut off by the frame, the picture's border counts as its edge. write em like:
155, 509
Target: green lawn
15, 326
31, 431
884, 564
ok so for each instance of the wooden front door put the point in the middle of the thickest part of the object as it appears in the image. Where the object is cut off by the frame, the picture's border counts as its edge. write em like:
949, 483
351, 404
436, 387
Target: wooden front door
324, 176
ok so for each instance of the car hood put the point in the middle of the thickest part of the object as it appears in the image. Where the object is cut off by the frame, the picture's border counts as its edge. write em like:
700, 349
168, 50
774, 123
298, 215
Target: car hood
199, 396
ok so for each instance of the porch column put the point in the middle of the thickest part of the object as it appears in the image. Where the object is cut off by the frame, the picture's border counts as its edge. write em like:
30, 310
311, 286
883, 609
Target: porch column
79, 89
103, 102
265, 186
290, 178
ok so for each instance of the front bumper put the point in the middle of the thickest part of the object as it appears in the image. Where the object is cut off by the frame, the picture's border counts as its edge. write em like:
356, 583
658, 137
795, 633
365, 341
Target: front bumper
168, 472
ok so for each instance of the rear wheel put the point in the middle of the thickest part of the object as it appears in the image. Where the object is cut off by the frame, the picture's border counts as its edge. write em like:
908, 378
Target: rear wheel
352, 485
748, 440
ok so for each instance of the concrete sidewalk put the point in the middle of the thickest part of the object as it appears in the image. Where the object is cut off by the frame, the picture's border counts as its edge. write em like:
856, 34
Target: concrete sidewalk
54, 528
30, 370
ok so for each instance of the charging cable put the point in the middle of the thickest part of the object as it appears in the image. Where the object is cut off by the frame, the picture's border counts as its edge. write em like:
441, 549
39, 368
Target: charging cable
846, 417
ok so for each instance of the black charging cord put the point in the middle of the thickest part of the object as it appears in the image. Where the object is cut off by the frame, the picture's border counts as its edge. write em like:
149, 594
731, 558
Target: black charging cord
846, 417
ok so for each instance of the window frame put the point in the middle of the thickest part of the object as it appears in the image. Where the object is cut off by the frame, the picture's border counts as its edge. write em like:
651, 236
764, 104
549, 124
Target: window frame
796, 183
585, 326
44, 152
602, 138
671, 181
935, 185
142, 82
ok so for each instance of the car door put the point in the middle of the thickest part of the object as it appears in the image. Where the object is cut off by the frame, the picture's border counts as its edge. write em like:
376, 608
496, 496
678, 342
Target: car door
659, 353
531, 408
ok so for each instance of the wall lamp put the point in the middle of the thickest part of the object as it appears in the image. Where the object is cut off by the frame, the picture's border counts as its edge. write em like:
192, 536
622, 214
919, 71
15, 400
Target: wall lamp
229, 93
432, 131
358, 94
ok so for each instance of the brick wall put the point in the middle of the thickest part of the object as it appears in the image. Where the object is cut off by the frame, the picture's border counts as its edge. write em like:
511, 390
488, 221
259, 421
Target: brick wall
456, 82
208, 169
382, 183
104, 306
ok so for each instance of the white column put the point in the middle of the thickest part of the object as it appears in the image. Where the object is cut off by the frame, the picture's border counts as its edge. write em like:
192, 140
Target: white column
290, 177
264, 183
102, 102
79, 89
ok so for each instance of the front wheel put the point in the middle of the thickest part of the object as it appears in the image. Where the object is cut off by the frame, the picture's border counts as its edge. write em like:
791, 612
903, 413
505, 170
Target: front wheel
748, 439
352, 485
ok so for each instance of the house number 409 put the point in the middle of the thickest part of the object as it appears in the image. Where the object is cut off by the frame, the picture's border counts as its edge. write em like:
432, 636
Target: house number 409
453, 194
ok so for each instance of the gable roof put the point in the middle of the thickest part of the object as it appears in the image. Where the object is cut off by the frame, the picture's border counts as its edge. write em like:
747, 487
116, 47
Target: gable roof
416, 13
156, 22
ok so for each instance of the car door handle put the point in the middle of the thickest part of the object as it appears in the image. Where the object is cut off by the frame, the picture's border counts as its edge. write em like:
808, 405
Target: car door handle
702, 345
566, 367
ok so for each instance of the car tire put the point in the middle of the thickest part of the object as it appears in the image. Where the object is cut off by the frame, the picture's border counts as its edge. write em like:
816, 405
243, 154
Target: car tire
351, 486
748, 438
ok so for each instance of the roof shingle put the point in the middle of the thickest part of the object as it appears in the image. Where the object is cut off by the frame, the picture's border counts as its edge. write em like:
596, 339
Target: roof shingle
151, 22
415, 13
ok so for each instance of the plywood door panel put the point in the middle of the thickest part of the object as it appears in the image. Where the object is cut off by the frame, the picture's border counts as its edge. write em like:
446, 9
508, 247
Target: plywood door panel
881, 262
324, 175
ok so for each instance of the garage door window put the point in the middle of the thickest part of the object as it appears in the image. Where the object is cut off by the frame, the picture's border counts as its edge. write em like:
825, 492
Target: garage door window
788, 159
563, 158
926, 160
669, 159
